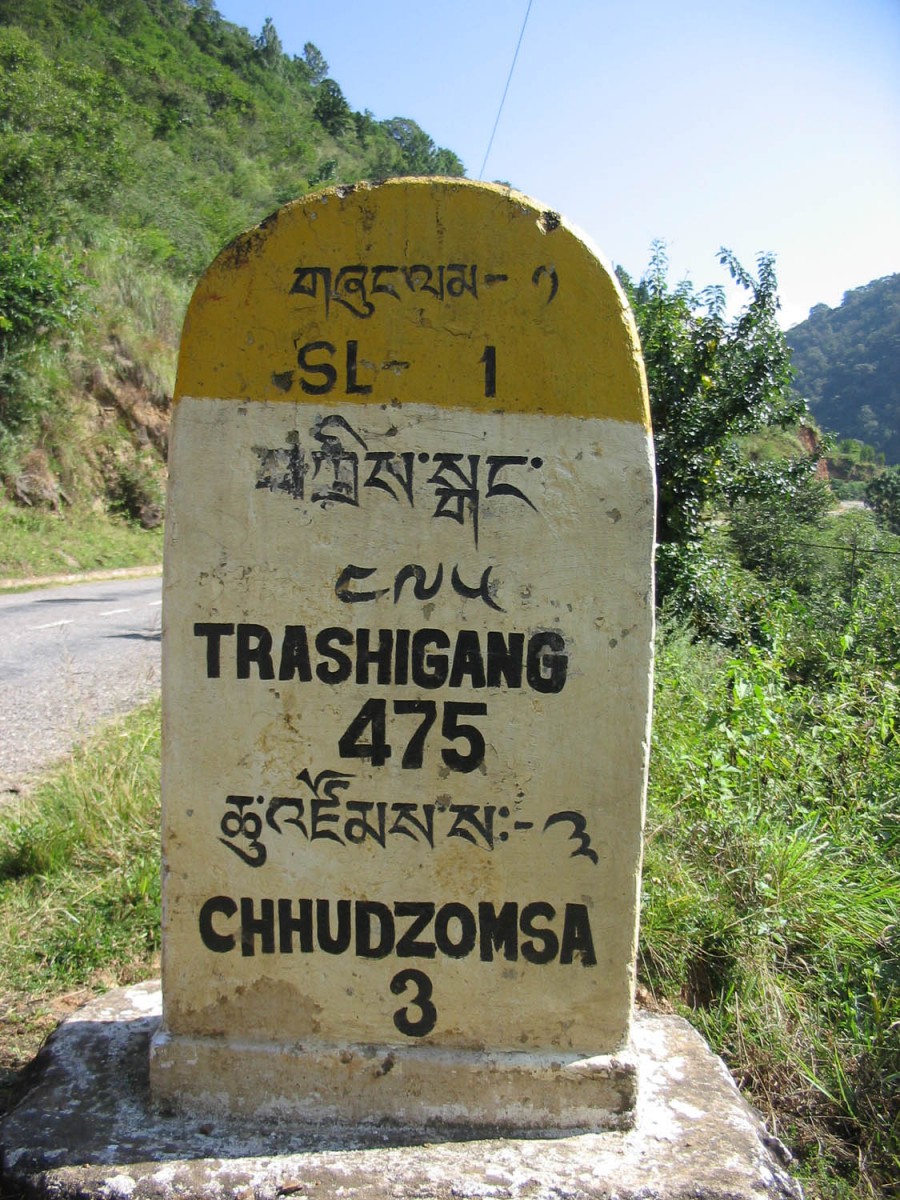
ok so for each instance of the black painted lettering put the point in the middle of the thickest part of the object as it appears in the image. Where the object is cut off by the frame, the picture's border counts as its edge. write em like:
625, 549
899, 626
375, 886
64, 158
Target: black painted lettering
359, 829
295, 654
374, 929
505, 654
369, 915
455, 730
301, 925
354, 388
545, 946
464, 942
253, 927
415, 747
422, 991
489, 358
401, 656
546, 664
429, 670
467, 660
320, 818
326, 369
343, 666
381, 657
219, 943
354, 574
213, 631
333, 943
372, 720
577, 937
422, 915
498, 930
409, 824
254, 645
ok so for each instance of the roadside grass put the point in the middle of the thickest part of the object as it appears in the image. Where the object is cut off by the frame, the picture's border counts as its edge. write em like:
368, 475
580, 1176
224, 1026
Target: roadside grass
771, 891
37, 542
79, 885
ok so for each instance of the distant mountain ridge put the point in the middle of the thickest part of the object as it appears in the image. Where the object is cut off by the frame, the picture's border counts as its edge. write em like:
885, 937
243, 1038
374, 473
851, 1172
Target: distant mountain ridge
847, 365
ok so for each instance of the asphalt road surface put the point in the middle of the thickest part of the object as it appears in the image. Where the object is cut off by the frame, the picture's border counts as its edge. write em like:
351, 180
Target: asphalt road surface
70, 657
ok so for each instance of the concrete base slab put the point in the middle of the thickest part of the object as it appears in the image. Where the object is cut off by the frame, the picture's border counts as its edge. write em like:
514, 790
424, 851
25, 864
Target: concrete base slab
87, 1128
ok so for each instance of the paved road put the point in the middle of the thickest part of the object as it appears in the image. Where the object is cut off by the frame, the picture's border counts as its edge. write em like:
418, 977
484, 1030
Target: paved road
69, 657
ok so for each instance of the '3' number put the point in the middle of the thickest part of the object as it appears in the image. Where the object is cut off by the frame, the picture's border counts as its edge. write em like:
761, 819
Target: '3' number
421, 999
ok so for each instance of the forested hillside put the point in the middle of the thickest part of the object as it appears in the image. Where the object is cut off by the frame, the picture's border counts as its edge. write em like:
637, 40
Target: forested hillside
847, 365
136, 138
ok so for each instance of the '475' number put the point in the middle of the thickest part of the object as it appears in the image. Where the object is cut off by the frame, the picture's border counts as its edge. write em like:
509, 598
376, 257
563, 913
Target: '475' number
366, 735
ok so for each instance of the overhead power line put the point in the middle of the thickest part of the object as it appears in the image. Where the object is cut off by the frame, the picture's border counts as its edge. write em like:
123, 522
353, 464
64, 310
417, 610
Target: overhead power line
505, 90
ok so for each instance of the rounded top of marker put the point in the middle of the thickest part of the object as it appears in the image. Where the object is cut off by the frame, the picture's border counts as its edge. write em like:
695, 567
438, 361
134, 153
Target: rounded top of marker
415, 291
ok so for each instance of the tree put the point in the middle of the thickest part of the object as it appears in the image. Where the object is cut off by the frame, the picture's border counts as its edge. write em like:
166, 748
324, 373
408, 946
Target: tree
419, 154
315, 68
883, 497
447, 163
331, 110
712, 380
268, 44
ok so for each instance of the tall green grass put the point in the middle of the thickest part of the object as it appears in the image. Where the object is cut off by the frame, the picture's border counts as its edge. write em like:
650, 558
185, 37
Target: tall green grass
79, 865
772, 890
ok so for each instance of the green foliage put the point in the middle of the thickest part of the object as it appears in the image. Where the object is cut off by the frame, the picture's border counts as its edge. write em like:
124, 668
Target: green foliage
773, 533
314, 66
268, 46
847, 365
62, 138
883, 495
40, 298
136, 493
419, 155
84, 852
331, 110
772, 879
173, 125
153, 130
712, 381
39, 292
35, 543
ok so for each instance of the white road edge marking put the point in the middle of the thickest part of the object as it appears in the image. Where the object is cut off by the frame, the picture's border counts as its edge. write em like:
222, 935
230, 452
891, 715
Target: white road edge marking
51, 625
113, 612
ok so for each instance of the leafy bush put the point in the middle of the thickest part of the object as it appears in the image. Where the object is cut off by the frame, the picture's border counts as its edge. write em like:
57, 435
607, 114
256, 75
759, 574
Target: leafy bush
883, 495
39, 294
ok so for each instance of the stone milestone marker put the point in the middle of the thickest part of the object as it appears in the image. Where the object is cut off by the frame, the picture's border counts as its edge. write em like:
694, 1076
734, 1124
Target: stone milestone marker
407, 669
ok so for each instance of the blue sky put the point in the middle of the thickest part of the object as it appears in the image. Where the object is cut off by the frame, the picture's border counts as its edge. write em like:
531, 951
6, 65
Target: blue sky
760, 125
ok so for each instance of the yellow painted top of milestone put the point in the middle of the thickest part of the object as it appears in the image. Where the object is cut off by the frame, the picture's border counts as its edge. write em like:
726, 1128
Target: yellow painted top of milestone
415, 291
